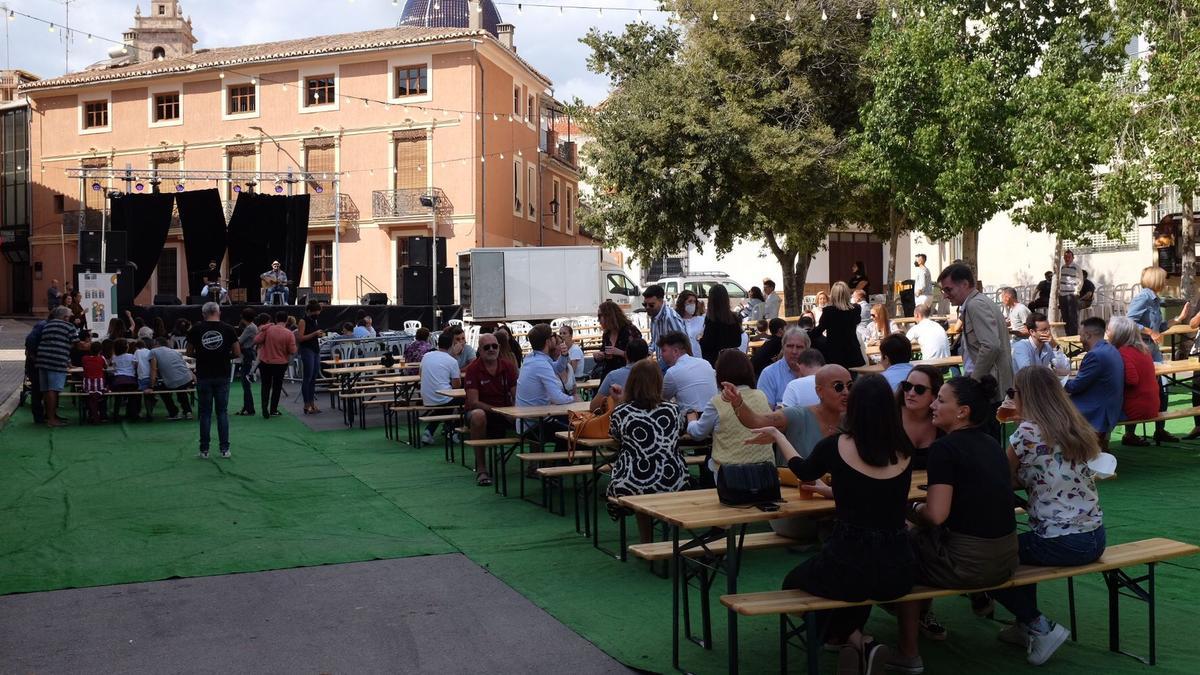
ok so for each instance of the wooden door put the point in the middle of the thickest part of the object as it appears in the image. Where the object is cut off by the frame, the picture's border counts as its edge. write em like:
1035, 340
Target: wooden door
846, 248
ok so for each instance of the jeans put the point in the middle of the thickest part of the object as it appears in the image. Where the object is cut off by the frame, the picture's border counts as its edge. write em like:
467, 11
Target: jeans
271, 375
311, 359
184, 401
1067, 550
281, 291
245, 372
1069, 306
212, 390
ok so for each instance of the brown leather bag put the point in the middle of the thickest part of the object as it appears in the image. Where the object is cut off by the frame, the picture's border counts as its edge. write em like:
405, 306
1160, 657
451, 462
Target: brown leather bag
588, 425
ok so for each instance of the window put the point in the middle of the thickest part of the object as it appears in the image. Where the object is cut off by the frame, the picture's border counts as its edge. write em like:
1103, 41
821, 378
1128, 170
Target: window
517, 101
735, 291
318, 158
166, 107
241, 160
158, 53
620, 284
517, 187
167, 272
531, 191
411, 81
60, 203
319, 90
162, 10
242, 99
320, 267
95, 199
529, 108
555, 204
412, 154
95, 114
570, 209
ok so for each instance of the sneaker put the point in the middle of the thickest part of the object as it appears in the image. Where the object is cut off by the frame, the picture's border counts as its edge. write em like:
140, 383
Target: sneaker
899, 663
983, 605
203, 454
1014, 635
1164, 436
275, 413
174, 418
1134, 441
930, 628
455, 438
1193, 434
426, 438
876, 657
225, 453
187, 416
1042, 647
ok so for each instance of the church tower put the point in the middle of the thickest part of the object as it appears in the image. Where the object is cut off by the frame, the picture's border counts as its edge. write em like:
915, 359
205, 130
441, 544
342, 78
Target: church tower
164, 33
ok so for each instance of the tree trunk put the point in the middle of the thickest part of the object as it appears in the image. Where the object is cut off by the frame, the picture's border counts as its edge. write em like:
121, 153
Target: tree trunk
794, 266
970, 249
1187, 284
1052, 310
893, 244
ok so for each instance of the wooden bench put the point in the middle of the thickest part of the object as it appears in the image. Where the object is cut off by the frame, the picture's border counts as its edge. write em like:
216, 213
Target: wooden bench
411, 411
662, 550
489, 444
1148, 552
1165, 416
554, 475
81, 397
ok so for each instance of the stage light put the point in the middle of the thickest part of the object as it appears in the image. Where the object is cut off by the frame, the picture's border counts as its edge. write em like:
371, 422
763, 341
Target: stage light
139, 187
96, 186
319, 189
278, 189
237, 188
179, 187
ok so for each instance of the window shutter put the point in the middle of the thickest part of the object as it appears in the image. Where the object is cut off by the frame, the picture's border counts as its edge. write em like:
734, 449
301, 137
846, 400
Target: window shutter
412, 154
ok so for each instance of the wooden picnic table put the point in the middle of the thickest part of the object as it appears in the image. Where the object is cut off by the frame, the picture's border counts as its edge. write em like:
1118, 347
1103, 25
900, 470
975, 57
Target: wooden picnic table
535, 412
702, 510
397, 379
946, 362
591, 385
900, 320
350, 371
360, 360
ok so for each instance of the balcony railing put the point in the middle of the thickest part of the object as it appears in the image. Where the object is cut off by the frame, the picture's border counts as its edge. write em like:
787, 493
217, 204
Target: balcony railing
323, 207
82, 219
406, 203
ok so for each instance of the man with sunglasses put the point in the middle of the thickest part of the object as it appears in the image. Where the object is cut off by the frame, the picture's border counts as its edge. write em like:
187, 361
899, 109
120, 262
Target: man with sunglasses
490, 382
663, 320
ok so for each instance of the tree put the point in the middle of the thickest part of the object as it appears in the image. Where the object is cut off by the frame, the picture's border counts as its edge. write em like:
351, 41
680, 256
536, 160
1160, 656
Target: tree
1162, 148
728, 129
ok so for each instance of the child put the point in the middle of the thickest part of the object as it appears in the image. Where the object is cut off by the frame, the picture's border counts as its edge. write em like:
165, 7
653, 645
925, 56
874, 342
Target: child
142, 355
94, 365
124, 379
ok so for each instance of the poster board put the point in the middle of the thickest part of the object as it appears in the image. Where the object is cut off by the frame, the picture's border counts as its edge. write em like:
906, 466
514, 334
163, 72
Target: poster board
99, 300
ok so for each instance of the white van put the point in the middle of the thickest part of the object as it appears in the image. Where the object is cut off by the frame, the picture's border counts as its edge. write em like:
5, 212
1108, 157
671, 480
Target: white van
699, 283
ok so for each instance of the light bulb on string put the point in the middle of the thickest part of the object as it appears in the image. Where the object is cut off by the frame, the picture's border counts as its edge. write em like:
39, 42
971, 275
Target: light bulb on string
639, 15
221, 75
922, 12
254, 80
858, 15
715, 17
824, 16
893, 13
495, 117
753, 18
478, 117
89, 37
520, 9
787, 16
560, 11
12, 16
51, 28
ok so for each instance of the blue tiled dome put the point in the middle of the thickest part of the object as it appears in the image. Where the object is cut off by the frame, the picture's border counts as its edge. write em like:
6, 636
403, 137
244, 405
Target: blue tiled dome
448, 14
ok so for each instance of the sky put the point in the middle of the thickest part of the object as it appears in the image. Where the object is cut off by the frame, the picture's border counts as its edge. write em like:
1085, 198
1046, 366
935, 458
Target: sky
546, 38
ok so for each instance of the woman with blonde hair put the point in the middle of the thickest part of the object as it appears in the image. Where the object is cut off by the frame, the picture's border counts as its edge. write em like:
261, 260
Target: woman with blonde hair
1049, 454
838, 326
1141, 384
1145, 309
880, 326
820, 302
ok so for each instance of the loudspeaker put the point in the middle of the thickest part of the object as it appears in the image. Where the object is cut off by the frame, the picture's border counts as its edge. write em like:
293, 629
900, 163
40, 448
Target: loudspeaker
319, 297
416, 282
89, 248
418, 251
166, 299
375, 299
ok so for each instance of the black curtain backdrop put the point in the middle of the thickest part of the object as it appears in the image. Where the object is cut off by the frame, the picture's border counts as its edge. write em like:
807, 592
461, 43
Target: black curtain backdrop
383, 317
145, 219
204, 238
265, 228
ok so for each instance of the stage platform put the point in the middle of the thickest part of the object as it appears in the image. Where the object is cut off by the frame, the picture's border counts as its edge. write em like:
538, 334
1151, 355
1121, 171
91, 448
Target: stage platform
383, 317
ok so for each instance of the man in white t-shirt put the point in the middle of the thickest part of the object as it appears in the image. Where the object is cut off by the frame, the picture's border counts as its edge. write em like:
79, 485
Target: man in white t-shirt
929, 334
439, 371
690, 381
922, 280
1015, 313
802, 391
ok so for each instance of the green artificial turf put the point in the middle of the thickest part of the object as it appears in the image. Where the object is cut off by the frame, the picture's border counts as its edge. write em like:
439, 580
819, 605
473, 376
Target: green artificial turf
86, 506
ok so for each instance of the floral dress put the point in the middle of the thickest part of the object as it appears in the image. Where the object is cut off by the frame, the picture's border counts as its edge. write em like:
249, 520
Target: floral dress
649, 461
1062, 494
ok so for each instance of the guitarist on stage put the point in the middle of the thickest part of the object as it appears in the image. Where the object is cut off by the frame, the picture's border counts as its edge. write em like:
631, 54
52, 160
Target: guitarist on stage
275, 281
212, 284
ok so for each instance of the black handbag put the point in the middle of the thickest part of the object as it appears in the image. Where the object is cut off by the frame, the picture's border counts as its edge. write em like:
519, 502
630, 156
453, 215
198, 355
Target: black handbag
748, 484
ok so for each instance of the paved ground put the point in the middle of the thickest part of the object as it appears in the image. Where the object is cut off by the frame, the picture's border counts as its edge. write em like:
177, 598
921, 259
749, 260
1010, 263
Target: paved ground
12, 362
433, 614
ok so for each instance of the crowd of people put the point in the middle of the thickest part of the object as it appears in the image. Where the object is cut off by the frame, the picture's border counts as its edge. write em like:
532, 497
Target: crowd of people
794, 403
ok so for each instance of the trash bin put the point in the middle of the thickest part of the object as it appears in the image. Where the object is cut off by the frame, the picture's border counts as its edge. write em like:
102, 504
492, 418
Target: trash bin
908, 299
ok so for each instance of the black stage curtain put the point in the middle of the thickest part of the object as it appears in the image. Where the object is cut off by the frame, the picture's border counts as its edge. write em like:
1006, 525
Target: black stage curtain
265, 228
296, 236
383, 317
204, 238
145, 219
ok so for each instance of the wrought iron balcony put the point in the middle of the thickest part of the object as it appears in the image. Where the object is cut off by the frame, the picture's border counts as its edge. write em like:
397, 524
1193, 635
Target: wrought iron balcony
325, 206
406, 203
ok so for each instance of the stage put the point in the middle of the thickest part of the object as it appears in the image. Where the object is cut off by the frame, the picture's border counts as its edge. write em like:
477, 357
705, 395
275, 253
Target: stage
383, 317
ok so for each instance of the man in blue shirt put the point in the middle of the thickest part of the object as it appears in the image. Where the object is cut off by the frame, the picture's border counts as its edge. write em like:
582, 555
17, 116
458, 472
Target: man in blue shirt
1039, 349
895, 353
775, 377
537, 383
635, 351
663, 319
1098, 391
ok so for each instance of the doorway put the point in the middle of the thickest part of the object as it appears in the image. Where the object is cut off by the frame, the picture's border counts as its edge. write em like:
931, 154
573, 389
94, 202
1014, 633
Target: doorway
846, 248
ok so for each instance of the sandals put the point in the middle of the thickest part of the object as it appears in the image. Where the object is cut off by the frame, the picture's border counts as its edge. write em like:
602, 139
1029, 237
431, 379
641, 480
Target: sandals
483, 480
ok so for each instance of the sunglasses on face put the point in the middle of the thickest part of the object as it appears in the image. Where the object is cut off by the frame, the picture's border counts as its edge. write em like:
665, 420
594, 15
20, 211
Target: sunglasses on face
909, 386
1012, 392
488, 348
839, 386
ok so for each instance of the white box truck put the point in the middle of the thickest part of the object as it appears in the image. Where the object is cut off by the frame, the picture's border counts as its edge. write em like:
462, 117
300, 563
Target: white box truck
540, 283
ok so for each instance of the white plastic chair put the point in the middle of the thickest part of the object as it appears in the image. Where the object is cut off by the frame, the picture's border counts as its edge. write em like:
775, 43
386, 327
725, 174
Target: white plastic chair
178, 342
455, 322
344, 352
411, 327
370, 348
558, 323
473, 336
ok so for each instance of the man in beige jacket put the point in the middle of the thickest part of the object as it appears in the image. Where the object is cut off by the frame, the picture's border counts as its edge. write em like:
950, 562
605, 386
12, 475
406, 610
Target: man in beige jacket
985, 339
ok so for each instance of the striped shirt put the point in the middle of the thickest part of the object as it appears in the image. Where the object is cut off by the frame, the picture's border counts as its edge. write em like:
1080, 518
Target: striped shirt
1068, 279
54, 347
666, 321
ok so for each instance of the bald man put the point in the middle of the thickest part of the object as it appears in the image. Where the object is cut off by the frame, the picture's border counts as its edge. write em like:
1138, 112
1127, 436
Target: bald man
490, 382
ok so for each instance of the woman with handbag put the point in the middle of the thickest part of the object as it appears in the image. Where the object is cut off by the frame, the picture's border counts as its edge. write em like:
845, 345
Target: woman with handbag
867, 557
648, 429
720, 420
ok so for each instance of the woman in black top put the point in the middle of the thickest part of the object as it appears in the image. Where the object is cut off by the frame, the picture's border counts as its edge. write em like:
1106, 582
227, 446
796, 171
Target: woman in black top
858, 278
913, 399
838, 328
722, 328
617, 331
308, 339
867, 557
965, 535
